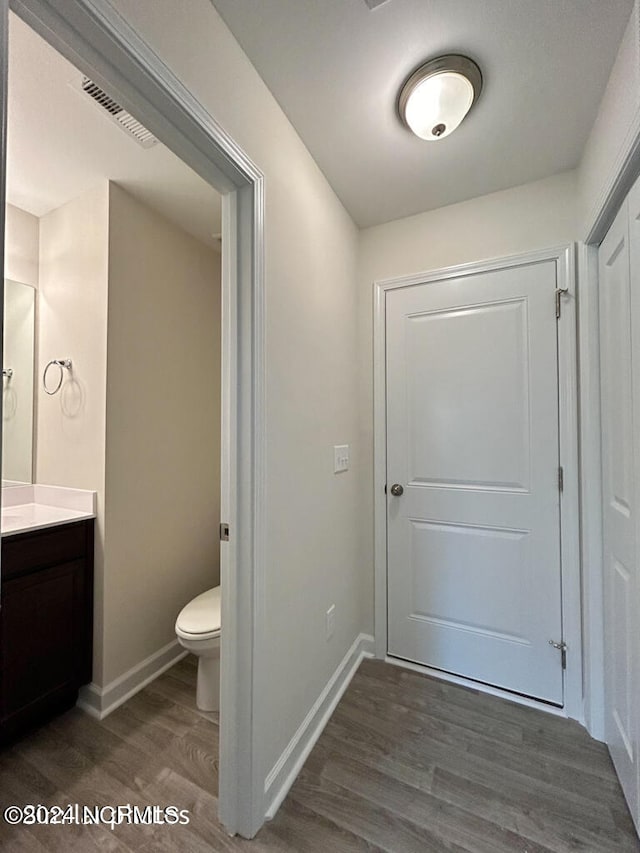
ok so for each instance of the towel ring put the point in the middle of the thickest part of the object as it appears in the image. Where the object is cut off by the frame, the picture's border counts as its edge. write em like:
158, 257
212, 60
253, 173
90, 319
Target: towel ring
62, 363
7, 372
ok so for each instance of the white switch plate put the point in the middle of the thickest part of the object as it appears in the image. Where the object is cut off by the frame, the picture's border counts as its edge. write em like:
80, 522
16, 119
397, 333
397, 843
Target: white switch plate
340, 458
331, 621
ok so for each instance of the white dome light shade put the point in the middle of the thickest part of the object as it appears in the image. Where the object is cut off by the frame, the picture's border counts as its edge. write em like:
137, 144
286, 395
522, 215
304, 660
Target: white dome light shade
438, 104
437, 97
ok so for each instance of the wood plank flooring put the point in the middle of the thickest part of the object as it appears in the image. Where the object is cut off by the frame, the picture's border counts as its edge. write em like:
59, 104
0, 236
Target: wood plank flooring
407, 764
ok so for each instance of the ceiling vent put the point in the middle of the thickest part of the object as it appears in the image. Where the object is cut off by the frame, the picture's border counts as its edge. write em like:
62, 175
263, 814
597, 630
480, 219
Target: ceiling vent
126, 121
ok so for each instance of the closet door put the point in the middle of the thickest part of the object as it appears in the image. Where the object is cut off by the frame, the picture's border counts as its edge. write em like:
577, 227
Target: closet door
619, 502
473, 521
634, 271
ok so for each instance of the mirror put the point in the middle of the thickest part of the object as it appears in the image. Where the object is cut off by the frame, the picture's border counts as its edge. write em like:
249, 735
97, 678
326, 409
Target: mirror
18, 383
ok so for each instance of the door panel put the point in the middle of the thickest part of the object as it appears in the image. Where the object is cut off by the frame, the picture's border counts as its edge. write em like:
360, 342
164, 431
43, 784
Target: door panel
443, 451
472, 436
618, 497
633, 631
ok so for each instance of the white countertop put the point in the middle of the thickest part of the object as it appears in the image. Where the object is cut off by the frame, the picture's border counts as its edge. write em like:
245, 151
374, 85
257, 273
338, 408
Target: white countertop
35, 507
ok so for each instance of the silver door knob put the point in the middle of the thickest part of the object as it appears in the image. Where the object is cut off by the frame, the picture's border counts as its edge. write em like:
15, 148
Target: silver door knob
397, 490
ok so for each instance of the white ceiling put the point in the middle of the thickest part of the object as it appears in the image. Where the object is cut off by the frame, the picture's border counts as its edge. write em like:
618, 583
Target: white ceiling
60, 144
336, 68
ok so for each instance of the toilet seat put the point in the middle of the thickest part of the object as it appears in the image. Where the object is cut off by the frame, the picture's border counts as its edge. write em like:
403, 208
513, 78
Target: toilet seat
200, 618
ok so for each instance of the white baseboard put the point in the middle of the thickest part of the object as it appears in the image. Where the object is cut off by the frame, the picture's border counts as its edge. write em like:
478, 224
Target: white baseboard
101, 701
284, 771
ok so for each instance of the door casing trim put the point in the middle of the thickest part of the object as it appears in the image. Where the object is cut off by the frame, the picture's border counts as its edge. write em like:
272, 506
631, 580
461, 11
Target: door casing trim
564, 257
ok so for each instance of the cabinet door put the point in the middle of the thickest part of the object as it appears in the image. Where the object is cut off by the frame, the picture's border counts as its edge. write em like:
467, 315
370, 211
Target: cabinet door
42, 637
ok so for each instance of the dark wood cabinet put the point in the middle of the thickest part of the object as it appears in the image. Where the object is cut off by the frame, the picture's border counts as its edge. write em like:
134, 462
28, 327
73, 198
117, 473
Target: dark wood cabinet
46, 623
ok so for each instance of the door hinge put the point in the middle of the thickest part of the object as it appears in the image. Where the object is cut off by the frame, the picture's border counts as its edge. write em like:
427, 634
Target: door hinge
562, 648
224, 532
561, 478
560, 292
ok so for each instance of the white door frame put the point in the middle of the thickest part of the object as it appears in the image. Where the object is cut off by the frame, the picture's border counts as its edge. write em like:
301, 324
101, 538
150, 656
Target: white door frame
97, 40
568, 432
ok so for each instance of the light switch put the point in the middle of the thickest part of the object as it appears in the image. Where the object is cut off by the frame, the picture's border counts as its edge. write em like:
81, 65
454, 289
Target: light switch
340, 458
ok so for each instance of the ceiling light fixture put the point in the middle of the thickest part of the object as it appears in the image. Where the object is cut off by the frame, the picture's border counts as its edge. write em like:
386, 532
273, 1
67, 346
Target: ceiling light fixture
438, 95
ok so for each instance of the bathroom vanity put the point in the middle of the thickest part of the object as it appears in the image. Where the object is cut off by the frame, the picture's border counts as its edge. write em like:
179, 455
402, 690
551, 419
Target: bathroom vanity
46, 603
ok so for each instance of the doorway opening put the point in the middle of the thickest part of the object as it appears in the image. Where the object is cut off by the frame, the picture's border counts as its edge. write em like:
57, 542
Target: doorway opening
110, 54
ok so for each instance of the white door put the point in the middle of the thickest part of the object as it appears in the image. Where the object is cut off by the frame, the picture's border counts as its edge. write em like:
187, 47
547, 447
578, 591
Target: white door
619, 514
474, 584
634, 269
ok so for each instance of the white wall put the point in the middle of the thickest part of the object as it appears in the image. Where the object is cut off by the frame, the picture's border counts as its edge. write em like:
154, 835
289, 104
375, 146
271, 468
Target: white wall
531, 216
616, 124
313, 519
21, 246
72, 323
163, 430
534, 216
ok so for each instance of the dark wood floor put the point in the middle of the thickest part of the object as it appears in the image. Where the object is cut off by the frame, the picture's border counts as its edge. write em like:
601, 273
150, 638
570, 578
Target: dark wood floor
407, 763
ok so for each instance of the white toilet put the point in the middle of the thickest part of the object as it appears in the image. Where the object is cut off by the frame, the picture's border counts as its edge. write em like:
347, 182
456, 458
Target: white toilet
198, 630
